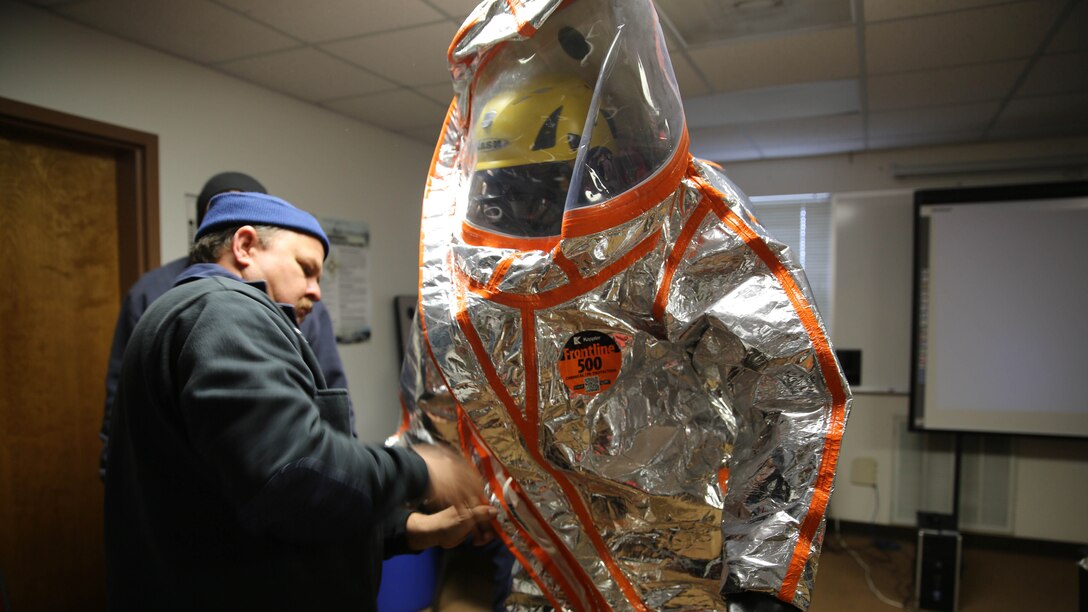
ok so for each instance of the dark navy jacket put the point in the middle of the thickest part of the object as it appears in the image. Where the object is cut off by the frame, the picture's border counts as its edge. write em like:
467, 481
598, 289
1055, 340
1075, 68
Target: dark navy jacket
317, 327
233, 482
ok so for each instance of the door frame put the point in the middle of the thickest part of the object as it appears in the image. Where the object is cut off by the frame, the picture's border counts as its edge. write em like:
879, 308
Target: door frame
137, 156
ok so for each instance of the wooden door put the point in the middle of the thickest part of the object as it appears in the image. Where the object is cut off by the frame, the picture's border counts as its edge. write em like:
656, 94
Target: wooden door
61, 229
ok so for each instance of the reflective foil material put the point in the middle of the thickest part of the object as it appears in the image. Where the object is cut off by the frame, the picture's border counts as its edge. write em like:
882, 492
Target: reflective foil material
646, 388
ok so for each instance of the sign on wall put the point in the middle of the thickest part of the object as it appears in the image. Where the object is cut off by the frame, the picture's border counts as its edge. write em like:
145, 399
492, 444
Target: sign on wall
345, 283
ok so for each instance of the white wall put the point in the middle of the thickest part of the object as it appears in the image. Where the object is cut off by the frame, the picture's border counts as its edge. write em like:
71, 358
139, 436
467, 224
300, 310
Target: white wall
208, 122
873, 250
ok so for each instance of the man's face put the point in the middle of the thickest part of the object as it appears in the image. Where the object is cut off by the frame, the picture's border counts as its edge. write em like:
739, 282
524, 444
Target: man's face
290, 264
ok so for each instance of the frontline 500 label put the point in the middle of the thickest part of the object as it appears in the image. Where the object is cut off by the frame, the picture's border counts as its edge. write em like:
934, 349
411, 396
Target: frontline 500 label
590, 362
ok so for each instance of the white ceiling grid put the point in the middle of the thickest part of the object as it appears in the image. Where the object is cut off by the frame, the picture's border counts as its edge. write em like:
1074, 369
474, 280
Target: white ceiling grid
760, 78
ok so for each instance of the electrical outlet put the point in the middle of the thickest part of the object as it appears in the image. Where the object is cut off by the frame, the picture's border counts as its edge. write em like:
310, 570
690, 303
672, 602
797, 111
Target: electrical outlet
863, 472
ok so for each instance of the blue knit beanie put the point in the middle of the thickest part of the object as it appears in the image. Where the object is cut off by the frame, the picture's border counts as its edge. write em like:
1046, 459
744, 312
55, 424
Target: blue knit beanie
222, 182
236, 208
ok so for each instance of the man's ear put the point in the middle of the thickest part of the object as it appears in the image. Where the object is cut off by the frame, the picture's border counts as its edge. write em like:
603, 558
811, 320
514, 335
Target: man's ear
244, 243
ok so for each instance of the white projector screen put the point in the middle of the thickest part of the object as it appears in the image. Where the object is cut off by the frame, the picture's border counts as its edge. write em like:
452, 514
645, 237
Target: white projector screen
1000, 336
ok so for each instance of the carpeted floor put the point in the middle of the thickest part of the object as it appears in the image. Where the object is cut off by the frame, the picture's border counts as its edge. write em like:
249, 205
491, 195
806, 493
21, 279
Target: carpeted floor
998, 575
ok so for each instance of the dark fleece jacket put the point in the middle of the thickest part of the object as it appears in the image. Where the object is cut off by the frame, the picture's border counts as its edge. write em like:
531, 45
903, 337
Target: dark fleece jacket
233, 480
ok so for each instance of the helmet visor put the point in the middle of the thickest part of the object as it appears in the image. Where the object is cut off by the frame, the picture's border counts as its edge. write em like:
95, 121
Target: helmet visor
522, 200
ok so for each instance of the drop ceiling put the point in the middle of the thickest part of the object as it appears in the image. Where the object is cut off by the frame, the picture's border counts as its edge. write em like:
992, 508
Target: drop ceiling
760, 78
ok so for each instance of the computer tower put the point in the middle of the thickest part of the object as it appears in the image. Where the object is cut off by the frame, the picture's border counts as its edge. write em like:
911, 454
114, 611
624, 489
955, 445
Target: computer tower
937, 571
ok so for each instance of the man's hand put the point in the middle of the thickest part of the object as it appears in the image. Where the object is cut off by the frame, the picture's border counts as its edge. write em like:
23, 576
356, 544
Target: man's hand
453, 482
456, 496
450, 527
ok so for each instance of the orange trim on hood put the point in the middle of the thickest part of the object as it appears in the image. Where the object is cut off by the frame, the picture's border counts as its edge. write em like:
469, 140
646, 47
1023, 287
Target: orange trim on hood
525, 27
475, 236
633, 202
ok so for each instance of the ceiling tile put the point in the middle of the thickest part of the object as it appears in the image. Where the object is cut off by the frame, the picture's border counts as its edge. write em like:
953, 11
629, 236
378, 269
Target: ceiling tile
899, 141
808, 136
690, 82
807, 149
823, 55
1054, 74
880, 10
1002, 32
1063, 115
398, 110
456, 9
702, 22
1073, 33
960, 118
774, 103
336, 19
944, 86
195, 29
439, 92
688, 79
809, 130
671, 41
725, 143
426, 135
308, 74
942, 67
420, 53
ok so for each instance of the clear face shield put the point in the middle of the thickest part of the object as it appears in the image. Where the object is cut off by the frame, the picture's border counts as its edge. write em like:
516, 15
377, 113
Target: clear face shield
581, 112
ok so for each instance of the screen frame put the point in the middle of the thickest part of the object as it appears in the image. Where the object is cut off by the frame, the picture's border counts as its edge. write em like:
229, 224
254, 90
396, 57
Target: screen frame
954, 197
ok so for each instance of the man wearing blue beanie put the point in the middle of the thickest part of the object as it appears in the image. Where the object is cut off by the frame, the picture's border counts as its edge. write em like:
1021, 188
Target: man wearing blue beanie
233, 481
317, 327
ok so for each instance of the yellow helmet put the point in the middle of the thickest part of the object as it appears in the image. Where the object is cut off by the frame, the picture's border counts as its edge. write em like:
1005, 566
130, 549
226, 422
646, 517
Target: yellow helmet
538, 124
526, 140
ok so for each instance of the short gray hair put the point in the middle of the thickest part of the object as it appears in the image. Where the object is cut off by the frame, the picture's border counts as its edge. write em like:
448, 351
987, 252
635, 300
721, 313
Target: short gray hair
211, 246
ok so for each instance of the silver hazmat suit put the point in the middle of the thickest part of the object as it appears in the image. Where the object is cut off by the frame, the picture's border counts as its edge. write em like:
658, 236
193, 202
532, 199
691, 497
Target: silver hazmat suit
635, 367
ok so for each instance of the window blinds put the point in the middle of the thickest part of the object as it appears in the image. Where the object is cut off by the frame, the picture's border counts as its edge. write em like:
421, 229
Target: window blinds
803, 222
